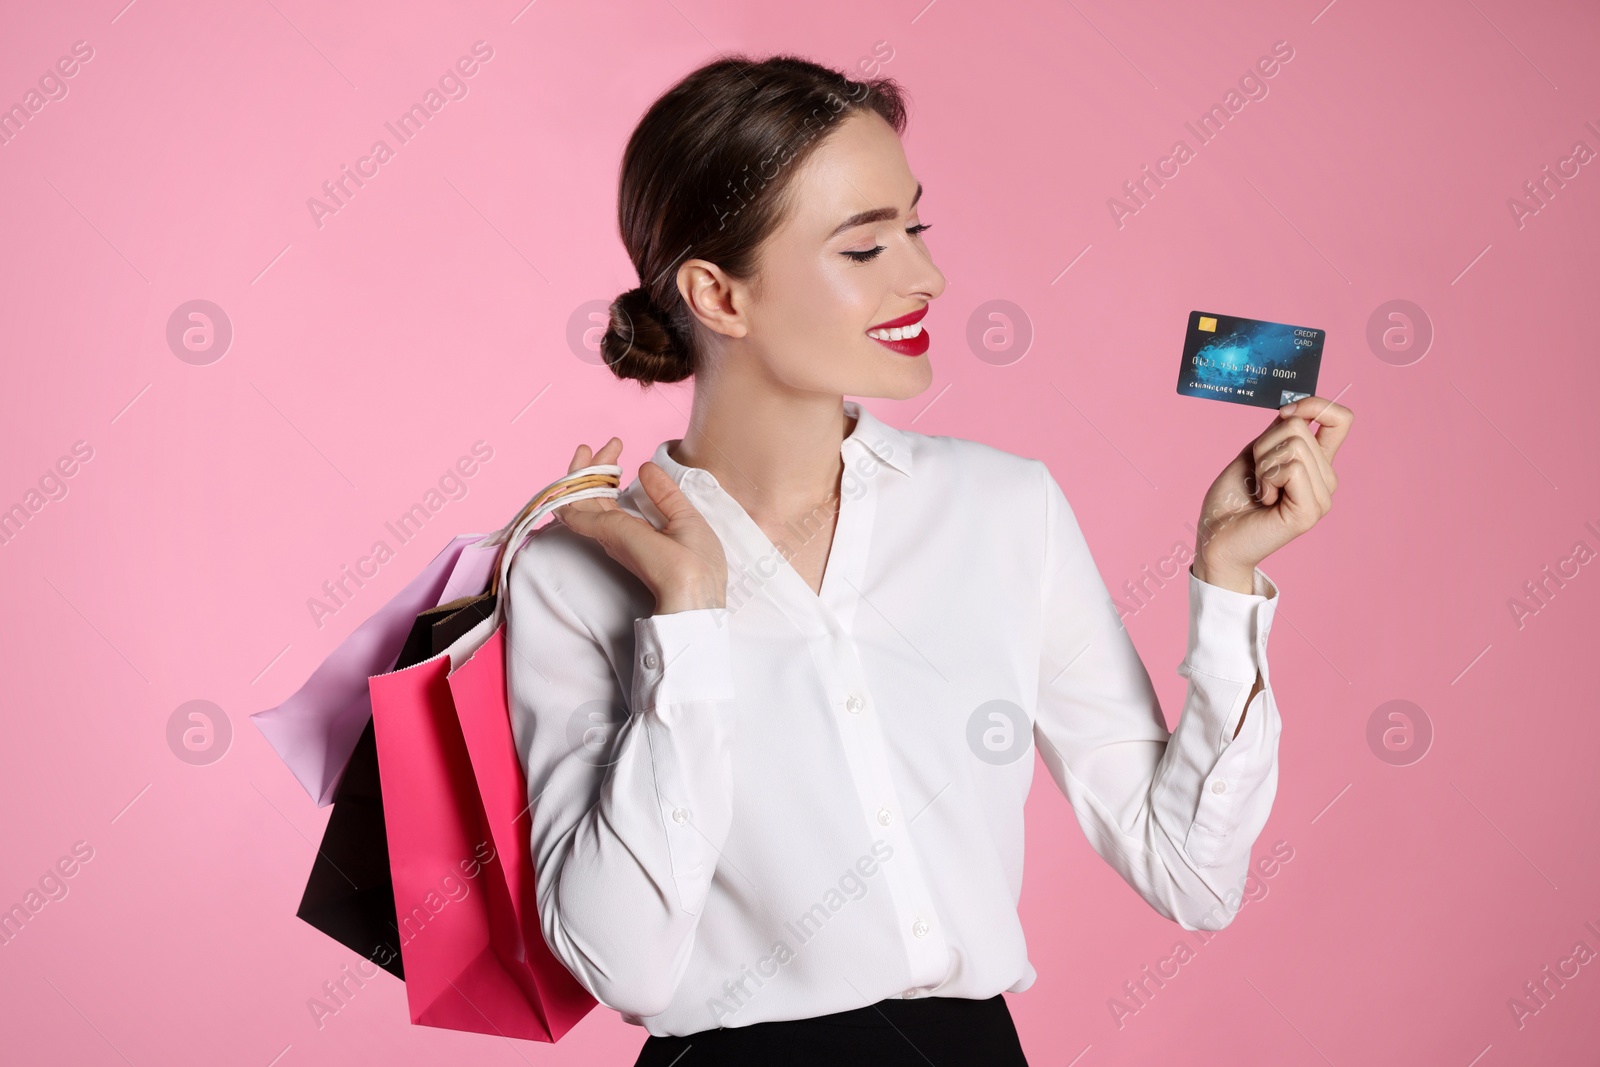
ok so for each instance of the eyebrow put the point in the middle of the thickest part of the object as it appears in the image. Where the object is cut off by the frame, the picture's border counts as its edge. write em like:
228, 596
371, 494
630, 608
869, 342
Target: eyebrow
877, 214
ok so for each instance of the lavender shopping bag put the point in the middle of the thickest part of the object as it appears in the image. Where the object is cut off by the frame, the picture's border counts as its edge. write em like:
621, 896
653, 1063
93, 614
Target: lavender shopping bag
317, 728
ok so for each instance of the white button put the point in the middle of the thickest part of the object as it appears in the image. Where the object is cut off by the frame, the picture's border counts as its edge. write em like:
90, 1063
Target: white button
1219, 786
884, 816
920, 928
854, 704
651, 660
680, 816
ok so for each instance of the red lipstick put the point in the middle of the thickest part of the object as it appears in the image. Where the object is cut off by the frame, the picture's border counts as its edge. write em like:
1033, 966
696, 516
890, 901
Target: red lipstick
906, 346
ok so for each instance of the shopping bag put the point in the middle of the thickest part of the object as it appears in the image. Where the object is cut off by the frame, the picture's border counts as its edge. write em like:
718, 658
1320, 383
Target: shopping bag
458, 822
316, 729
349, 895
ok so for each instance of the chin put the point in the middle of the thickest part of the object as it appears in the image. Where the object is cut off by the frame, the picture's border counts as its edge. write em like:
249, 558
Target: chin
904, 382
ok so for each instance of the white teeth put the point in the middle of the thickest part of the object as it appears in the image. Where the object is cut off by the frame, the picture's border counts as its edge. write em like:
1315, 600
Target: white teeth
899, 333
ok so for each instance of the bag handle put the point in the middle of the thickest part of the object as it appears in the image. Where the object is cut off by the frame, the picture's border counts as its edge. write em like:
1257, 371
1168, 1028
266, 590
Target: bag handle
586, 483
598, 480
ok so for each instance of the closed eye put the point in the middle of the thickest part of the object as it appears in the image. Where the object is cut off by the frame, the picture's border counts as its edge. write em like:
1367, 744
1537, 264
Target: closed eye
872, 253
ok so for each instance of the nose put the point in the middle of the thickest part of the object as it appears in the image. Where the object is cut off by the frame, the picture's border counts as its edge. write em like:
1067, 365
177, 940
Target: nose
923, 281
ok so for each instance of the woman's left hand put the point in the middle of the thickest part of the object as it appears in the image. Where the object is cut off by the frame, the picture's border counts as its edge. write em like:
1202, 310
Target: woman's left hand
1276, 488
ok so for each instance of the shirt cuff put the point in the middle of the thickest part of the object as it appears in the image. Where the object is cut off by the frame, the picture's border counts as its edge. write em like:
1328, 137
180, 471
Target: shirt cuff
1228, 629
680, 658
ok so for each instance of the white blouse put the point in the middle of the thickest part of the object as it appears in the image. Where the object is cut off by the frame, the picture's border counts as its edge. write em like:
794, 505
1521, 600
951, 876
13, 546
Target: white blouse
799, 804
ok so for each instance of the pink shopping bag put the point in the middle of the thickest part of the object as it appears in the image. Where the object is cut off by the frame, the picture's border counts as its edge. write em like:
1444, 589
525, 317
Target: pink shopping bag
474, 956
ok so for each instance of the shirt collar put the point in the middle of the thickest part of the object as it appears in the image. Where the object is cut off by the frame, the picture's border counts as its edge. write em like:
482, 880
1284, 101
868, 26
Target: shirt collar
890, 445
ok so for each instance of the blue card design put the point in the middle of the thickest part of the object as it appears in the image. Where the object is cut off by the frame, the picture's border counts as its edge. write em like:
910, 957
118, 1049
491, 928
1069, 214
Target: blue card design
1246, 361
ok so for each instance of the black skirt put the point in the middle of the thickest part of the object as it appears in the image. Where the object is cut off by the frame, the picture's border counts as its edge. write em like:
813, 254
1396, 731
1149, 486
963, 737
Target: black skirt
943, 1031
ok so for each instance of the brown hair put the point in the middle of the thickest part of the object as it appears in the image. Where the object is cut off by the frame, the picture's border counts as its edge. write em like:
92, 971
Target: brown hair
704, 177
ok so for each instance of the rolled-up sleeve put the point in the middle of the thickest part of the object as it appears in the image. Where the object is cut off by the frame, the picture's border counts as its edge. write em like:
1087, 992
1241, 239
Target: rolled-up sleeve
629, 778
1174, 813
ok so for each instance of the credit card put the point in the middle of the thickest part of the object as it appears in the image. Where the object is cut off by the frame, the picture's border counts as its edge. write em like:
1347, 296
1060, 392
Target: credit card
1247, 361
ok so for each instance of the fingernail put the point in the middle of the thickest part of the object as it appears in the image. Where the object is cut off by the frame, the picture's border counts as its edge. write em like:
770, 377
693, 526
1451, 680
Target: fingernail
1288, 409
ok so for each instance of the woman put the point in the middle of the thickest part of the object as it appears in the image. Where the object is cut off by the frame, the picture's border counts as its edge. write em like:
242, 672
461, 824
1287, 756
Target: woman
776, 702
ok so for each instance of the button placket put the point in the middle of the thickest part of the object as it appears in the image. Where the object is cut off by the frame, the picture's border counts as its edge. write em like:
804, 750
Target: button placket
927, 951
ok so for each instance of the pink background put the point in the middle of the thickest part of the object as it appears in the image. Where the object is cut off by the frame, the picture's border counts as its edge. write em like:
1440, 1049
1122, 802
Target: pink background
432, 312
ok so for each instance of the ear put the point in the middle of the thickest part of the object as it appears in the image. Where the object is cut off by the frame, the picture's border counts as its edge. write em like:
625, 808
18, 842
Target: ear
717, 300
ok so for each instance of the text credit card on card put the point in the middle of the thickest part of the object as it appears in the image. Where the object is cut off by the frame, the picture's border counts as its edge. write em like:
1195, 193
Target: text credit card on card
1247, 361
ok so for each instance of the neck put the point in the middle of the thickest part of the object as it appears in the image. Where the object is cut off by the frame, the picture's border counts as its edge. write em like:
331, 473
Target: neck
776, 453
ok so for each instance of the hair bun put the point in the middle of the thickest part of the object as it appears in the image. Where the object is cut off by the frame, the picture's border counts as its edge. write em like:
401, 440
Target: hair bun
640, 343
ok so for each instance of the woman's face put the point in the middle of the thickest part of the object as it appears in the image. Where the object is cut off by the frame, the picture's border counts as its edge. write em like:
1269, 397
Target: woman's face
828, 276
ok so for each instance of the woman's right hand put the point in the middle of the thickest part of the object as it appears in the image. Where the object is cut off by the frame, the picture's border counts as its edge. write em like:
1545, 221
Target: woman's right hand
682, 564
